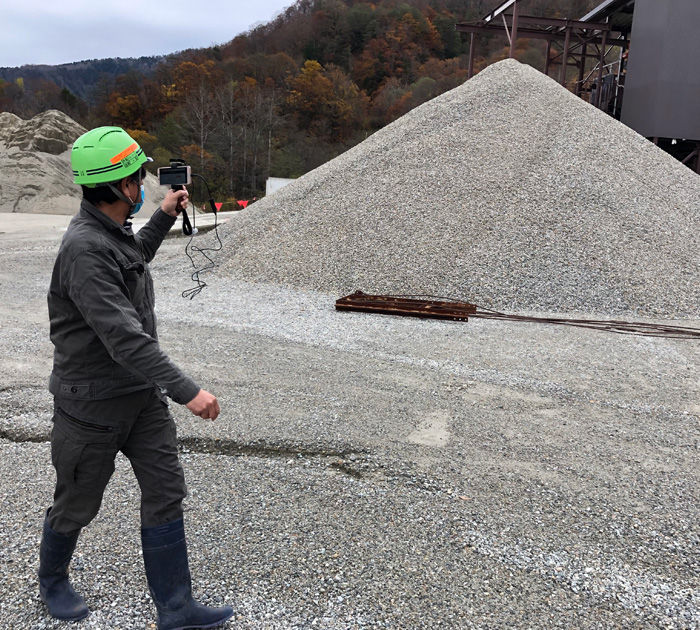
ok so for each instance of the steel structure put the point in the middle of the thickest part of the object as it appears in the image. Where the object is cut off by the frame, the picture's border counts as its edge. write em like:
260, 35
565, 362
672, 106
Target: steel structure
660, 81
569, 43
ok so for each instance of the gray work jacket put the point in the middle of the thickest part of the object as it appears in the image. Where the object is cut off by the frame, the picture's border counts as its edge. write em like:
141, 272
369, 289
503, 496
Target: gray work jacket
101, 311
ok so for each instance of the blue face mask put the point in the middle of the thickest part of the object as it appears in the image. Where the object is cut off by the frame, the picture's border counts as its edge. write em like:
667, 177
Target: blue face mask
137, 206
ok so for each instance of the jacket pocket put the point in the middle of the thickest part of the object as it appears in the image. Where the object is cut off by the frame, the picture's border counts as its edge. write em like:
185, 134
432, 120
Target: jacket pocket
135, 280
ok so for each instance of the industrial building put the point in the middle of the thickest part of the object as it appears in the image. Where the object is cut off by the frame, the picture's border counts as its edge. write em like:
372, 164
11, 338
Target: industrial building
651, 85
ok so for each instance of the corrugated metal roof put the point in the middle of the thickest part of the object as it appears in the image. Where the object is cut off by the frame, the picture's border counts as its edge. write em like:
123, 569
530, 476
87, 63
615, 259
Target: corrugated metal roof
617, 12
498, 10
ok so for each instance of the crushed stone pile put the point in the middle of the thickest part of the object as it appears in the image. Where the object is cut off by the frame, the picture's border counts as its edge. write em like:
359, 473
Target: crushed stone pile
508, 191
35, 165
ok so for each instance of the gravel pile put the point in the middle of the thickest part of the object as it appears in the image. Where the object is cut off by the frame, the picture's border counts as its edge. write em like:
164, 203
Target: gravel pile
35, 163
508, 191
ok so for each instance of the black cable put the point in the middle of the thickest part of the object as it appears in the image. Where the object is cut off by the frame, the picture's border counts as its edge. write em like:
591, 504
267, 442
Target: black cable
643, 329
191, 249
186, 225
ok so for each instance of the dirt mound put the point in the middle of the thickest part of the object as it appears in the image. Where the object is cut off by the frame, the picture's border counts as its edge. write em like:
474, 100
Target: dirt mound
35, 163
508, 191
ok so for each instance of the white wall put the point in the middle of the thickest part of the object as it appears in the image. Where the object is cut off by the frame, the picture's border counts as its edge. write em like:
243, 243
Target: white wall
275, 183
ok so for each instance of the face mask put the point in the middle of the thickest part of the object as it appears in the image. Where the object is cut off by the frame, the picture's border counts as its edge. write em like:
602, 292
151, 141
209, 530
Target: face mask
137, 206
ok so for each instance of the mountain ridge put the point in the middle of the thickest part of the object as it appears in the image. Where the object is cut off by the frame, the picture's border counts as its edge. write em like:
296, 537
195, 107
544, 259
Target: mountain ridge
81, 77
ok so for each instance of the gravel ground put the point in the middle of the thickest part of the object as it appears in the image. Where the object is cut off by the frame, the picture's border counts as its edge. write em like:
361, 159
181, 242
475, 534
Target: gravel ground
508, 191
378, 472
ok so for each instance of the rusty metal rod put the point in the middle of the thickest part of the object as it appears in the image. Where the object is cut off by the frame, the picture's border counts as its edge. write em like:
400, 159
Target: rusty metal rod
514, 30
400, 305
438, 307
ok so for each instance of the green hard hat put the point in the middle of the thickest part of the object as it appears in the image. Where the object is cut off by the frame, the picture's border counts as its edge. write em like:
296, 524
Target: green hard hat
105, 154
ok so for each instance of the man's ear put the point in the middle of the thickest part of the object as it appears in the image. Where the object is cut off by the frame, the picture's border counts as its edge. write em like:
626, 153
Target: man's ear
124, 186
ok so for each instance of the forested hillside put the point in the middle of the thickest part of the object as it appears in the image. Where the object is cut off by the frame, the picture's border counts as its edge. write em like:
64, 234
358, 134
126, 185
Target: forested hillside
288, 95
78, 78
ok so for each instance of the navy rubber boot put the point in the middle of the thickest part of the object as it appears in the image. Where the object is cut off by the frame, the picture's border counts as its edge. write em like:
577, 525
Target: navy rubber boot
56, 592
168, 574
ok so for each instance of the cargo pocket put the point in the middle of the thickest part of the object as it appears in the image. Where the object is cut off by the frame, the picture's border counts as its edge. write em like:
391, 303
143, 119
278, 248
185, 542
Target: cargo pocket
83, 452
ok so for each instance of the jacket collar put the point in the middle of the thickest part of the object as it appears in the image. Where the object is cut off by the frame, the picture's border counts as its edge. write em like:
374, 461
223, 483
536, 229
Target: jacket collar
89, 210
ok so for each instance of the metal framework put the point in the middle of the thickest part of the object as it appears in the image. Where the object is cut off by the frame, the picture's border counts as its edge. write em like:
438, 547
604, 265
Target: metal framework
584, 45
569, 43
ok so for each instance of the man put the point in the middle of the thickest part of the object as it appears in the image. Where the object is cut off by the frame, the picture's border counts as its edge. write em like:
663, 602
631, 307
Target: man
110, 380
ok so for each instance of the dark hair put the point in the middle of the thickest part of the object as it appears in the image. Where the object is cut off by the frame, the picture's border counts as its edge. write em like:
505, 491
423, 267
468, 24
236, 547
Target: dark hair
99, 194
104, 194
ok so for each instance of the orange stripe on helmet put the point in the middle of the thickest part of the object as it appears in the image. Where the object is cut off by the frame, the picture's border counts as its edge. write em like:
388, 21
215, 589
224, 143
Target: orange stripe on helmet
128, 151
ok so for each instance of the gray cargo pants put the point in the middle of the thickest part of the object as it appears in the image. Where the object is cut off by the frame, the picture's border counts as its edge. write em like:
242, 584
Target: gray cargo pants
86, 437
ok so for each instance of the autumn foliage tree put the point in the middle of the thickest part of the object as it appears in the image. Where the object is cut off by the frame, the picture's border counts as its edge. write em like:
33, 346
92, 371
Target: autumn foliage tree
291, 93
326, 102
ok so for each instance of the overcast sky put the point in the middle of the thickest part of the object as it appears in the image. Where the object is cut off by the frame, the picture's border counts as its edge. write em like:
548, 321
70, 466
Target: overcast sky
55, 32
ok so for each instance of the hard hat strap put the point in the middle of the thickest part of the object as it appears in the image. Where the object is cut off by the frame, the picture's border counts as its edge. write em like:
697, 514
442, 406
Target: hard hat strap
122, 196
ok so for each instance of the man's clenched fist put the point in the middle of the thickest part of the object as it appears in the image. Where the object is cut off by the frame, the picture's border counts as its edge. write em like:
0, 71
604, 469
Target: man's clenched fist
204, 405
